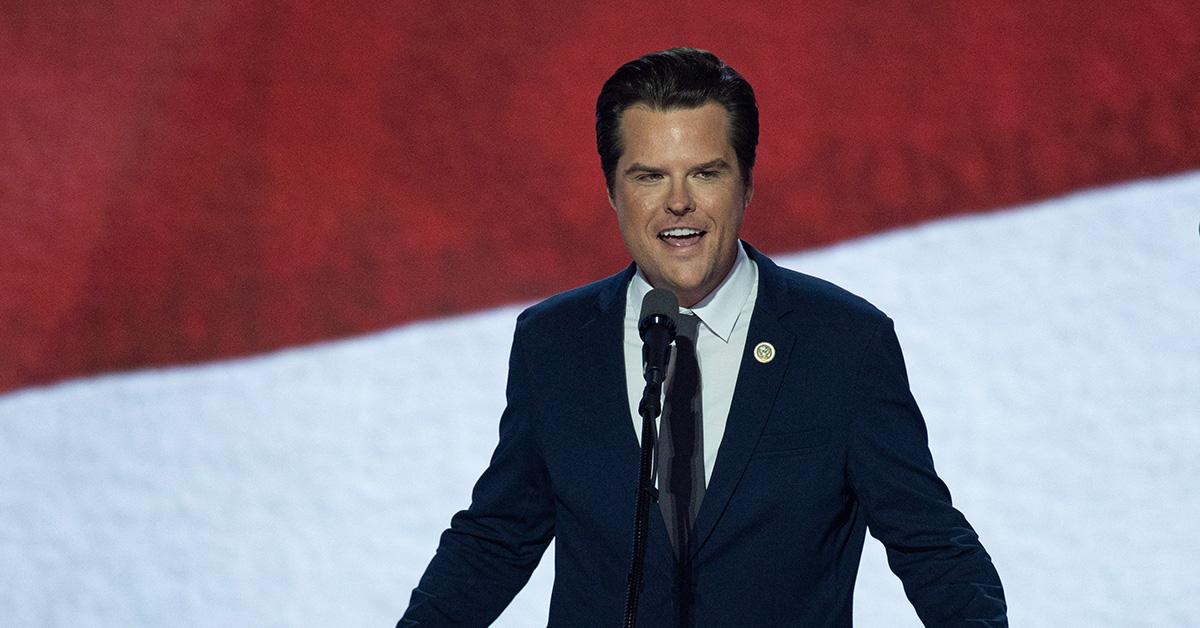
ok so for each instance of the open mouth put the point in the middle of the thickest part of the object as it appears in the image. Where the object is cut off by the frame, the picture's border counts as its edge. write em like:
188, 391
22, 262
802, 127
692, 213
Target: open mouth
681, 236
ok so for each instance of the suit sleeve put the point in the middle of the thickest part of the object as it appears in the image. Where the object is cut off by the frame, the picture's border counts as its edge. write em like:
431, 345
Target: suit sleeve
490, 549
948, 576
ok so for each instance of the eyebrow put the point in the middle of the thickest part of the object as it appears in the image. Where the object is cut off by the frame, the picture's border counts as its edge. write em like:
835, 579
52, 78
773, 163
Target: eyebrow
715, 164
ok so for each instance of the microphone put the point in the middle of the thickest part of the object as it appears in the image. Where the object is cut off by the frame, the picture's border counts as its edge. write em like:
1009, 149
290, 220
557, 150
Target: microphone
657, 329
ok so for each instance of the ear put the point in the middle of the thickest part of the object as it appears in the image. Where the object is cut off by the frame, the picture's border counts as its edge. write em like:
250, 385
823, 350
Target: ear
747, 195
612, 202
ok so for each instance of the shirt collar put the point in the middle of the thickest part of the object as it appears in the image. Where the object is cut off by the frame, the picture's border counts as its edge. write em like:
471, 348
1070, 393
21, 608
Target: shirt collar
719, 311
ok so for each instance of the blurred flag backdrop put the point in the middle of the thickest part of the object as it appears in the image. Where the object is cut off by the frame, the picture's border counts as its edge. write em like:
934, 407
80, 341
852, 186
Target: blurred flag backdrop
252, 252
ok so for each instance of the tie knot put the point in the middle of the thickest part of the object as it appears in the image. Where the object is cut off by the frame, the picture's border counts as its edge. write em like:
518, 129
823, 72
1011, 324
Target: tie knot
687, 325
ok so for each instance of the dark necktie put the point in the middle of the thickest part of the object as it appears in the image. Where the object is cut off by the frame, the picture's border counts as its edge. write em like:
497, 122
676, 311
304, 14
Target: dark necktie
681, 442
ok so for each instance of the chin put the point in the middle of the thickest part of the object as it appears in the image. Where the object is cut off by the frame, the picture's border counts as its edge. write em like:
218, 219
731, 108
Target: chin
681, 288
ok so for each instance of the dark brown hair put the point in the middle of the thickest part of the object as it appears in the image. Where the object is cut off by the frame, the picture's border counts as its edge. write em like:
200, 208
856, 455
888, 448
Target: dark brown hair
679, 78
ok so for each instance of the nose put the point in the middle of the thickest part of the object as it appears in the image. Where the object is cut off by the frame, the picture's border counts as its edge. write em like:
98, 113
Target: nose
679, 201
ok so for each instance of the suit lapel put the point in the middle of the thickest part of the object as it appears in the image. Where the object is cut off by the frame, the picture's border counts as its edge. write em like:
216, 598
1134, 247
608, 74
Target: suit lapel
753, 398
605, 345
604, 362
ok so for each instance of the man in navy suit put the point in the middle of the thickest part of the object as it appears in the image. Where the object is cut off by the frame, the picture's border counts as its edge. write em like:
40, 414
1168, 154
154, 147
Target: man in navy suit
809, 435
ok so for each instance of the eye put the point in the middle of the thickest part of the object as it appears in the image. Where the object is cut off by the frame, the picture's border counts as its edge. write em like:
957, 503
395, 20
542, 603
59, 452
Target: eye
648, 177
706, 175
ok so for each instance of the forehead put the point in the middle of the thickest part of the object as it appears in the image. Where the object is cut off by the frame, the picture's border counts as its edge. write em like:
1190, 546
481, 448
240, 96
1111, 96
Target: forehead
702, 131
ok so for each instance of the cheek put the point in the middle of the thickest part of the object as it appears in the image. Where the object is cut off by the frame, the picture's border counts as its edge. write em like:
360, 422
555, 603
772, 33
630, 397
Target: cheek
735, 210
631, 227
636, 212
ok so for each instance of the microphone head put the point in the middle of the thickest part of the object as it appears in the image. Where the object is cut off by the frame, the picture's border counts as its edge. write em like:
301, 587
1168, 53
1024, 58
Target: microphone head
659, 306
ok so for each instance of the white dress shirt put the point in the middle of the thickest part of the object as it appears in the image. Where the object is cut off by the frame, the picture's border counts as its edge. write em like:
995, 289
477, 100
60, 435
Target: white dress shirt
724, 324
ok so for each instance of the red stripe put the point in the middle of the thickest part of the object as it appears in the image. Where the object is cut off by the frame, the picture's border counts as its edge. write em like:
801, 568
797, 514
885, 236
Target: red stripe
182, 183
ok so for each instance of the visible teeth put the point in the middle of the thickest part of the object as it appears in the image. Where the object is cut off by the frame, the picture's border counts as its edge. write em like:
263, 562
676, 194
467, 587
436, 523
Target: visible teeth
680, 232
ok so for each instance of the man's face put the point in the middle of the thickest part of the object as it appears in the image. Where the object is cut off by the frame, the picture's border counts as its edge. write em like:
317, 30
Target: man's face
679, 197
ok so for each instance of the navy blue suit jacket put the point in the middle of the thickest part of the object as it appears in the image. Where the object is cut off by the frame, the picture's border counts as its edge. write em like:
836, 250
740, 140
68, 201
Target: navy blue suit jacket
822, 443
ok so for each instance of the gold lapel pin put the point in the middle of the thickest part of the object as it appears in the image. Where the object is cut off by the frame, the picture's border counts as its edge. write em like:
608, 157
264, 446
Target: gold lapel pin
764, 352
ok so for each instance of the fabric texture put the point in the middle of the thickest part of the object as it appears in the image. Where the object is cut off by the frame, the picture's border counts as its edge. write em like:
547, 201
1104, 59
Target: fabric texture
822, 442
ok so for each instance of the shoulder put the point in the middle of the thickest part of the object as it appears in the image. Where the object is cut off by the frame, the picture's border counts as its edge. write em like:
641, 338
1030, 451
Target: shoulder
814, 300
569, 310
837, 328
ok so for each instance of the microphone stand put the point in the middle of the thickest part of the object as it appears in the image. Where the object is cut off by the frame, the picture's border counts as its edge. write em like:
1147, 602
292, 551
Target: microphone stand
650, 407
